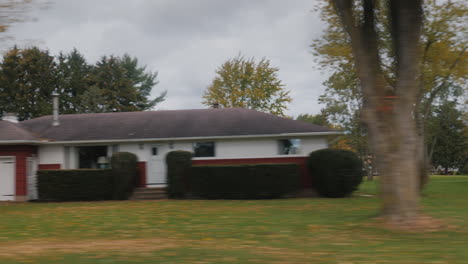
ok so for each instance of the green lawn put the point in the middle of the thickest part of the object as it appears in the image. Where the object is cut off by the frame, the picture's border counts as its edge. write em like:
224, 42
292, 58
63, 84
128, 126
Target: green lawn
311, 230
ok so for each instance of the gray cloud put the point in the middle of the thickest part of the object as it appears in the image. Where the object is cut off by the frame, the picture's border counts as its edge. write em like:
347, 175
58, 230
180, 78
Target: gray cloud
185, 41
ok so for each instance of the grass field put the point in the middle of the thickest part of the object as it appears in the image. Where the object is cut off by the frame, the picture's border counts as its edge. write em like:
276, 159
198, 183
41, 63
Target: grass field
309, 230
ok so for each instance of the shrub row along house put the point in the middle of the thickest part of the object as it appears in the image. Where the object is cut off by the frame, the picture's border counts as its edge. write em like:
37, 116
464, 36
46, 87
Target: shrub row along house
214, 136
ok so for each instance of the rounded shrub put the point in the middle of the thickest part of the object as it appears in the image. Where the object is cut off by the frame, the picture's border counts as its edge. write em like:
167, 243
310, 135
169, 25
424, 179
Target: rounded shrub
335, 172
179, 164
124, 172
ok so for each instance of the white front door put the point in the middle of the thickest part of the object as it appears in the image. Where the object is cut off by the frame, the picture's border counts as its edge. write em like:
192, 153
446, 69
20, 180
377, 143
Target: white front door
32, 178
157, 166
7, 178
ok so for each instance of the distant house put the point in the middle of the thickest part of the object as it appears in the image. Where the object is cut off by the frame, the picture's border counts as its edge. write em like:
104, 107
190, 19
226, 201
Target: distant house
215, 136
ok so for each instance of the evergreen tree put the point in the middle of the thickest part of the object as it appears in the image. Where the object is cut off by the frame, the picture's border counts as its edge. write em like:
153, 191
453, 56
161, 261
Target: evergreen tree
122, 84
28, 77
143, 81
27, 81
73, 73
446, 139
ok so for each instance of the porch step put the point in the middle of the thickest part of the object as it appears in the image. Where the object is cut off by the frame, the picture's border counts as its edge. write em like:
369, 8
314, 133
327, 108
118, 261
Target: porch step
149, 194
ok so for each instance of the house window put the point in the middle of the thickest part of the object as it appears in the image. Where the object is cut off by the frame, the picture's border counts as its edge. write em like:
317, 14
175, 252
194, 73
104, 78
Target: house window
154, 151
92, 157
289, 146
204, 149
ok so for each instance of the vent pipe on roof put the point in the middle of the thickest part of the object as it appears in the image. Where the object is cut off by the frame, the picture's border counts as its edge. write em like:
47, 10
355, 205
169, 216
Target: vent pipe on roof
10, 117
55, 111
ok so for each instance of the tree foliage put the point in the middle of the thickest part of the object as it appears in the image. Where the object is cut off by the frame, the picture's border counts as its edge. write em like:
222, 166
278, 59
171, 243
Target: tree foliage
344, 141
320, 119
28, 77
241, 82
73, 74
123, 85
446, 137
27, 81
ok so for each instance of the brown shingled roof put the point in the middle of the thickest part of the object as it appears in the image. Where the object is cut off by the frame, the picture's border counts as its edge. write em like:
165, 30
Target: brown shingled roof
167, 124
13, 131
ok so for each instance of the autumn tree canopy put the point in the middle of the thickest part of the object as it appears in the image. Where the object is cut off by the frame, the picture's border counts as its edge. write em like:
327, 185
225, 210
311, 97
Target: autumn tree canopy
388, 104
442, 65
242, 82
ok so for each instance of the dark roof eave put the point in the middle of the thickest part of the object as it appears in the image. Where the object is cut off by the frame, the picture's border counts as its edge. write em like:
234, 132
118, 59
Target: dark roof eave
305, 134
20, 142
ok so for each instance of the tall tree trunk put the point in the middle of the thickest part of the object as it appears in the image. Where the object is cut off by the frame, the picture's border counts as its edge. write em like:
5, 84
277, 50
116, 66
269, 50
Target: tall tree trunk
388, 111
399, 171
431, 151
421, 155
393, 134
369, 170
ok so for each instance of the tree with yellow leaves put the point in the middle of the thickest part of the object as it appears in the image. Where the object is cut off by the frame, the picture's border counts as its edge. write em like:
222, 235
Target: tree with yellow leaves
241, 82
442, 68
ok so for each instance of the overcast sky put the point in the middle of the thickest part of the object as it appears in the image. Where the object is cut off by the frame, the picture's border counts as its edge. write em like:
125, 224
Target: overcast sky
186, 40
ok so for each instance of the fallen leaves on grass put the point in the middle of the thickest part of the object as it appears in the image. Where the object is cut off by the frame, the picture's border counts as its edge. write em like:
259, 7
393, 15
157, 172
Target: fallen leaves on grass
421, 223
38, 247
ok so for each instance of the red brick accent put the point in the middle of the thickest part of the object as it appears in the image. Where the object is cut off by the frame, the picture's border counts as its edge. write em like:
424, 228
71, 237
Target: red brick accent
48, 167
21, 153
306, 180
141, 174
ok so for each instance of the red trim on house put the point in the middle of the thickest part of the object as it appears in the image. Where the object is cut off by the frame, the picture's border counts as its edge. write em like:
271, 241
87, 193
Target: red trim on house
141, 174
49, 167
306, 180
21, 153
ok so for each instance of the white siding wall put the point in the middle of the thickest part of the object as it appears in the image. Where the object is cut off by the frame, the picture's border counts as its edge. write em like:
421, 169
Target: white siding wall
142, 153
73, 158
225, 149
261, 148
312, 144
246, 148
51, 154
183, 145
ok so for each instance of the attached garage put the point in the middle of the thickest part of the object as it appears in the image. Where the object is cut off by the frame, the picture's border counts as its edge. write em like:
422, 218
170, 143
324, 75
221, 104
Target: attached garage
7, 178
18, 151
17, 170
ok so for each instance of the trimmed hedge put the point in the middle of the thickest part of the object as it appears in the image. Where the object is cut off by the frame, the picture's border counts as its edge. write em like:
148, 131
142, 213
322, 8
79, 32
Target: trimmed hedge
90, 184
75, 185
125, 171
179, 164
249, 181
336, 172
